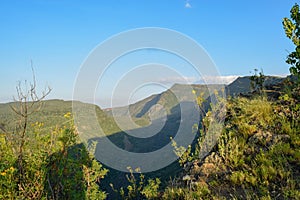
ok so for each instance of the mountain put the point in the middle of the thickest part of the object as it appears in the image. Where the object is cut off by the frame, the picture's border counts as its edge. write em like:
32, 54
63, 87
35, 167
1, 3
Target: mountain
161, 113
157, 105
156, 118
242, 85
166, 101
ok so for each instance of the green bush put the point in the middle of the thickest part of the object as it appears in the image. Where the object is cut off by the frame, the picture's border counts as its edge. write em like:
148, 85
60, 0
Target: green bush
55, 166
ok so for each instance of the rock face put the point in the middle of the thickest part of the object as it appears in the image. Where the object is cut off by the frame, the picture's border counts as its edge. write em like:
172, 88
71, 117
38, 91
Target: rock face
199, 172
210, 165
213, 163
266, 139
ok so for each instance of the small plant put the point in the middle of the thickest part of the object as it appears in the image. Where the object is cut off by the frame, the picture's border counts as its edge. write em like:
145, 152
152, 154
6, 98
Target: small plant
138, 188
257, 81
184, 154
150, 191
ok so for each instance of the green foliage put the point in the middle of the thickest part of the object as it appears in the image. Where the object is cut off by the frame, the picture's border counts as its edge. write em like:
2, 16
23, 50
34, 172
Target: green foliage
257, 155
73, 160
55, 166
256, 159
257, 81
292, 31
197, 192
138, 188
150, 191
184, 154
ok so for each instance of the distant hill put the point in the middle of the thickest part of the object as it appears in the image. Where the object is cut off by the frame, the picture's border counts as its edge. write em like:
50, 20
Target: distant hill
242, 85
167, 101
141, 110
52, 114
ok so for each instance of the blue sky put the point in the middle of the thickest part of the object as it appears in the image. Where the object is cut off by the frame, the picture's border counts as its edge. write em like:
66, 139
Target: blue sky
58, 35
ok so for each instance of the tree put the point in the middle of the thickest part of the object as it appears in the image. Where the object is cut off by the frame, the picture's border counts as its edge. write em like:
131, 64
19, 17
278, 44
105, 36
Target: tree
292, 31
27, 103
22, 156
257, 81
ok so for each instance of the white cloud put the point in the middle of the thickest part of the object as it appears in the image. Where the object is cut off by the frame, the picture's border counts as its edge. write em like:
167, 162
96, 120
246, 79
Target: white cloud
218, 79
178, 79
203, 80
188, 5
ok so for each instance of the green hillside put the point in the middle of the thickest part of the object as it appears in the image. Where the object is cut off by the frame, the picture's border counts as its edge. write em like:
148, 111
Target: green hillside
167, 99
52, 114
147, 116
257, 153
256, 157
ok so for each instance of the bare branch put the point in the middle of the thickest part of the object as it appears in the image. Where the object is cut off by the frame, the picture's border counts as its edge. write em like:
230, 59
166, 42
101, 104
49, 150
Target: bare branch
27, 103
